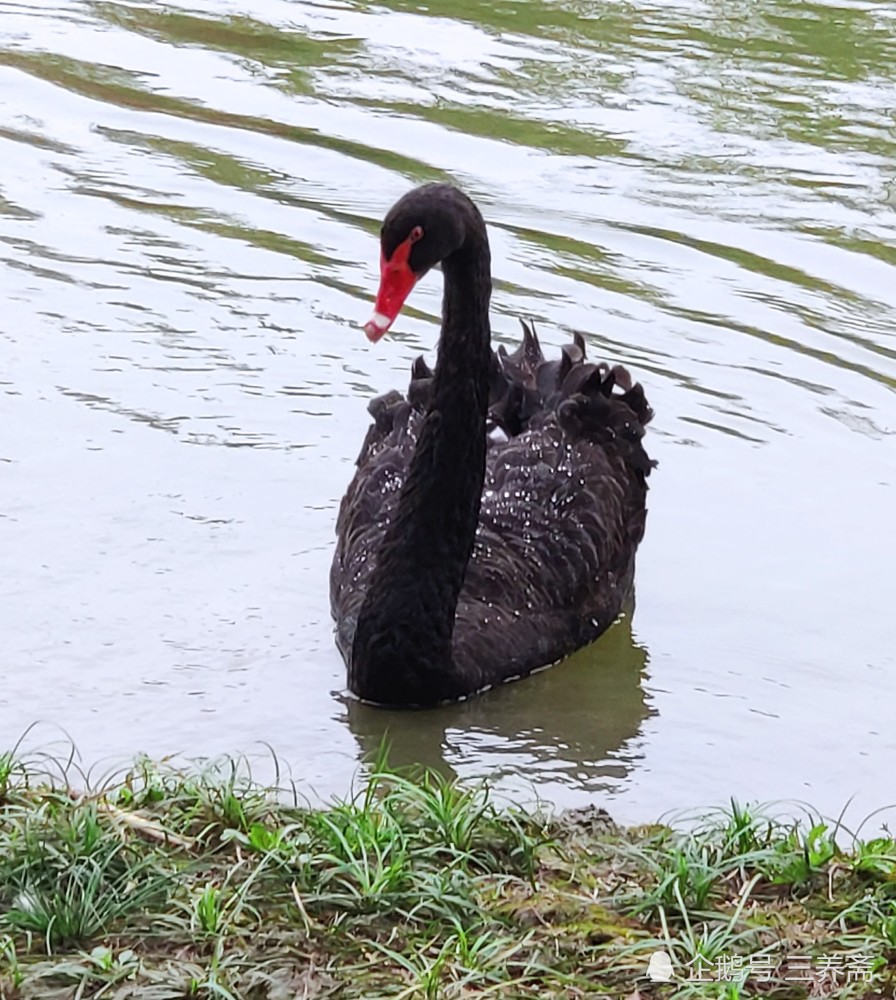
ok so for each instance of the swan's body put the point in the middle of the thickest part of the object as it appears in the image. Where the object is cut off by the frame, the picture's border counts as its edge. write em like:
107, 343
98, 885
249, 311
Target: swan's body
492, 523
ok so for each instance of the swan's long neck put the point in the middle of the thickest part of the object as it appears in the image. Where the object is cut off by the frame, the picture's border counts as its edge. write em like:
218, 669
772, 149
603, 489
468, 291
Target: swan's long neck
403, 639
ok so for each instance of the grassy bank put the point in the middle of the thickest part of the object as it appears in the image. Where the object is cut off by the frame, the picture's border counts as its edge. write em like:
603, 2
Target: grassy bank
167, 884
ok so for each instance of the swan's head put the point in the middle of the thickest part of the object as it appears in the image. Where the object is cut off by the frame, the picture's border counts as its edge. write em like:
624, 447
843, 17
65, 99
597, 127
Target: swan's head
423, 228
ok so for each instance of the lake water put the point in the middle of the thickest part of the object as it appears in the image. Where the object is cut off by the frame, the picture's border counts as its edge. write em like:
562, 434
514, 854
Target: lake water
189, 202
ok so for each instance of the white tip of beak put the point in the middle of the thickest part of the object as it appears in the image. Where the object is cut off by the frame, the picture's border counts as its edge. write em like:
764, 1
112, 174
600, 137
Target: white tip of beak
376, 326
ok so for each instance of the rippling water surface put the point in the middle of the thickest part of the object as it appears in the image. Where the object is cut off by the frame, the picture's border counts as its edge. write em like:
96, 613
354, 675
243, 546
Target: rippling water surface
189, 201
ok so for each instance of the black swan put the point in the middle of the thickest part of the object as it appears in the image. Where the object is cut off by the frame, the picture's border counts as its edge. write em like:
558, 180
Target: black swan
491, 526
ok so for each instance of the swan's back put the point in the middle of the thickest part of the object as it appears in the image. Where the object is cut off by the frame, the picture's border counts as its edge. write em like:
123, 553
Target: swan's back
563, 509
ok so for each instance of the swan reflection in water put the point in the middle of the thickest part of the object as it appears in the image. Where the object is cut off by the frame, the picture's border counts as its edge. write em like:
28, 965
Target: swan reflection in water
571, 729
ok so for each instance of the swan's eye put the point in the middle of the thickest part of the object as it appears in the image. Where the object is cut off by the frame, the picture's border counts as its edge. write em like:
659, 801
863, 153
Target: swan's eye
416, 234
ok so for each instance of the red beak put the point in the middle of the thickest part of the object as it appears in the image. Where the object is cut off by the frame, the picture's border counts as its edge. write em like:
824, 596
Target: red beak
396, 281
